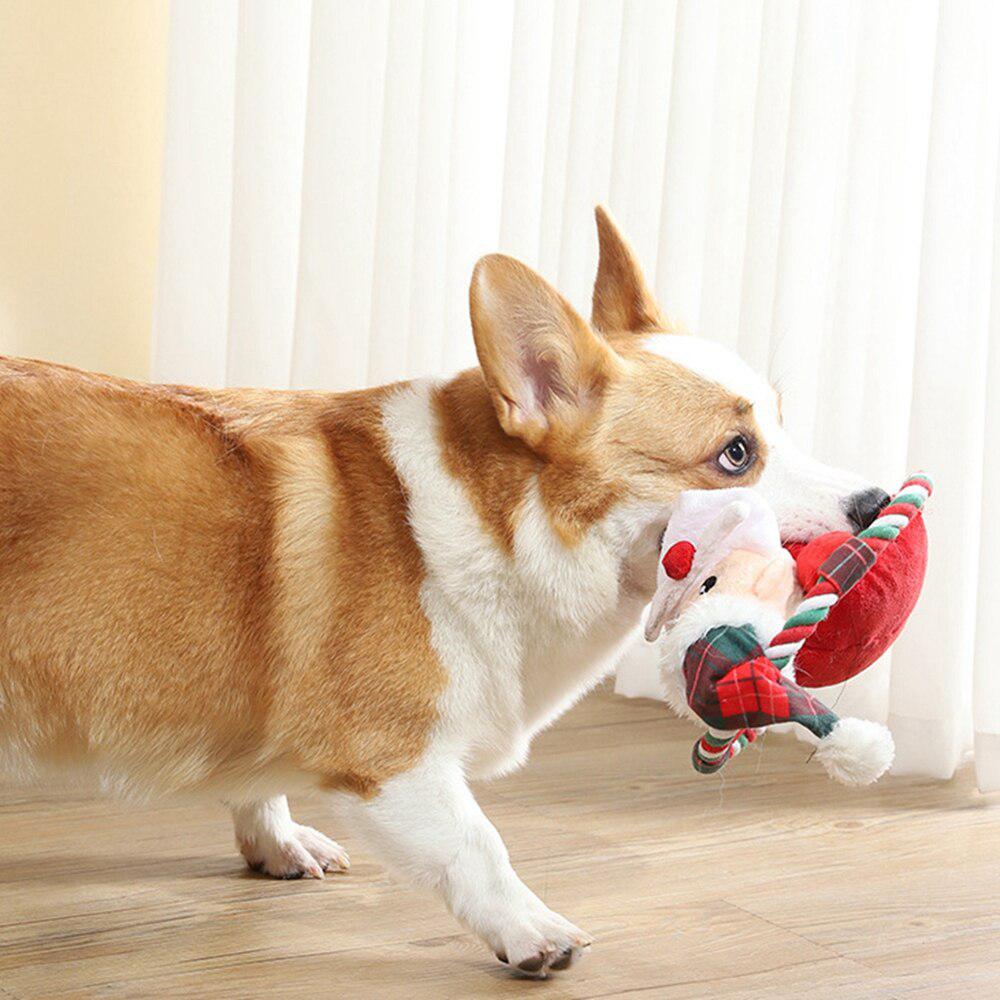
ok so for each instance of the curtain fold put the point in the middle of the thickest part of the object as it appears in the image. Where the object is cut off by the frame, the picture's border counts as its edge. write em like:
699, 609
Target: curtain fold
813, 184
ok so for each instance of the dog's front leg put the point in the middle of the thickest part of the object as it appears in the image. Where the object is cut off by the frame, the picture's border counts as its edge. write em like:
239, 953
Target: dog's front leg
427, 825
273, 843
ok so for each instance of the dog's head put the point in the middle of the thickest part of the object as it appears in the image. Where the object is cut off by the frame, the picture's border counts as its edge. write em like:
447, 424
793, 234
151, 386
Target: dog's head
626, 410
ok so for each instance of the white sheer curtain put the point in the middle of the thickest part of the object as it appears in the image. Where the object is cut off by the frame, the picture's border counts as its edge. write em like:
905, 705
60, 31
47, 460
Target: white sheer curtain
814, 184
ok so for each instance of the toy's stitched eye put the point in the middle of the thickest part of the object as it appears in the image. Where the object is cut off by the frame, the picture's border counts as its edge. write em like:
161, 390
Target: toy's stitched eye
736, 456
707, 585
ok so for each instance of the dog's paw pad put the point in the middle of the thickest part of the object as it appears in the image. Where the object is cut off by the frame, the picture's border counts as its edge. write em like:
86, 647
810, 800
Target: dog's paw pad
563, 961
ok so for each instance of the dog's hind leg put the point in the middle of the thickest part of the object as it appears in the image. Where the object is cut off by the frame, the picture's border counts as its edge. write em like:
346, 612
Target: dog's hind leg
273, 843
428, 826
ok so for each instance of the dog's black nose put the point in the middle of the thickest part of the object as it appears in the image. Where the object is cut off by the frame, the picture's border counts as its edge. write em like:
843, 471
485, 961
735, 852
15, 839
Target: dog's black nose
862, 507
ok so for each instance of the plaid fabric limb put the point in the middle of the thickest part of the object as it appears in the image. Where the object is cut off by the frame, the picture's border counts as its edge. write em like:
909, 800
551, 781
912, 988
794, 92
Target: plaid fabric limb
732, 685
847, 564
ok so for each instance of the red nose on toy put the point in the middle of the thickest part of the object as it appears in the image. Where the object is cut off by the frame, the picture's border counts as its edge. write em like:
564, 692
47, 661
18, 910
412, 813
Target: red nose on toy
866, 621
678, 559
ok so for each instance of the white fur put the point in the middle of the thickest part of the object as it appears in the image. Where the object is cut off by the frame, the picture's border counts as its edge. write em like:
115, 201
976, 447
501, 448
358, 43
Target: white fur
856, 751
470, 596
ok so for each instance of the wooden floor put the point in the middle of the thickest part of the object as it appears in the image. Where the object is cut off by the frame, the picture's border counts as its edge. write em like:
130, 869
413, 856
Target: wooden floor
766, 881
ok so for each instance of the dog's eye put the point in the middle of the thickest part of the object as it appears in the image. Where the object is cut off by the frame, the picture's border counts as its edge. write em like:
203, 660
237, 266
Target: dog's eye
736, 456
707, 585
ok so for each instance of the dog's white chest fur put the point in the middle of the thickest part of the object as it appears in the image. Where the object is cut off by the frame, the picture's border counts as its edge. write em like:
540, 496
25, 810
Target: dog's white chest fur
521, 636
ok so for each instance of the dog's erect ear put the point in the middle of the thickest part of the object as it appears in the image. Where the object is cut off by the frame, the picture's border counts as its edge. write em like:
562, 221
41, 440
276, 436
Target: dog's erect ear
622, 300
545, 368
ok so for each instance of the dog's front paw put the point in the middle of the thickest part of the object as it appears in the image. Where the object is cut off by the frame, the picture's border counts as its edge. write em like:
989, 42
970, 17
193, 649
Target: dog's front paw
300, 851
541, 942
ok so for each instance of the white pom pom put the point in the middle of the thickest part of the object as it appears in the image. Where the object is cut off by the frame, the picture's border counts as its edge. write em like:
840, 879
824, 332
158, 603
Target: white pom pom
856, 752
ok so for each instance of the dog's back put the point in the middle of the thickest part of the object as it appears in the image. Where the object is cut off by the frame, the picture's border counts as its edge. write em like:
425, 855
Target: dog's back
192, 584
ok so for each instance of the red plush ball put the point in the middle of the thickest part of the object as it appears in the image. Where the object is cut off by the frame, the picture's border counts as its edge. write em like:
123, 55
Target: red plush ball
678, 559
863, 624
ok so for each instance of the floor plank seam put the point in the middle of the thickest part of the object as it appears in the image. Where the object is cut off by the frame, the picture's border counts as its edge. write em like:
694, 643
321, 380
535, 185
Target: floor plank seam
833, 951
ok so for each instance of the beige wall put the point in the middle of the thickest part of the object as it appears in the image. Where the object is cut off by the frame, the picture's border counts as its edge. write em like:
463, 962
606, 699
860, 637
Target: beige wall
81, 134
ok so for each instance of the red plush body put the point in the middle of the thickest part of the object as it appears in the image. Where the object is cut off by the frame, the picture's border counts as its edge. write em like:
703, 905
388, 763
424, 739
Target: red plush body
866, 621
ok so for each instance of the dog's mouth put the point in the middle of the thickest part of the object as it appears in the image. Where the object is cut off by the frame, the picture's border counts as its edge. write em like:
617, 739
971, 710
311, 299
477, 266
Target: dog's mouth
804, 529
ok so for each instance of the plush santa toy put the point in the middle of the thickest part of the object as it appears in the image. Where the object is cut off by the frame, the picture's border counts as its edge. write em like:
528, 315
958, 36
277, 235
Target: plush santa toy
733, 659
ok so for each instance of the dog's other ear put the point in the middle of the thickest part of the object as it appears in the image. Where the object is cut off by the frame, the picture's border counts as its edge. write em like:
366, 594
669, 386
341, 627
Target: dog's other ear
622, 300
545, 368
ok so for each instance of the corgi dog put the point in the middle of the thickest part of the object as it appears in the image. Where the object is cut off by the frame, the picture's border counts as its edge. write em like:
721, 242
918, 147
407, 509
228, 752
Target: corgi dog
372, 596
